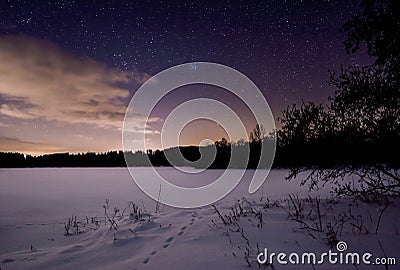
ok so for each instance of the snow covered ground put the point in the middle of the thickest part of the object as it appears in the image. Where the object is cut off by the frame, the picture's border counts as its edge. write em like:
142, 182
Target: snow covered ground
39, 206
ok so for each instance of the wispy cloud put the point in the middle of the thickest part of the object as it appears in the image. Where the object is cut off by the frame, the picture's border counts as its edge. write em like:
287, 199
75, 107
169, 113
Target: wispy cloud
40, 80
28, 147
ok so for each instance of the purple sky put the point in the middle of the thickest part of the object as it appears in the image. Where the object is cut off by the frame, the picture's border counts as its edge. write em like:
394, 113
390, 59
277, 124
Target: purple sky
68, 70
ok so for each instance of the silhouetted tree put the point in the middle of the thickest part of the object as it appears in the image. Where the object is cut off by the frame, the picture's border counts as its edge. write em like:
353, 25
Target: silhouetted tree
367, 98
378, 27
363, 119
257, 134
223, 143
307, 124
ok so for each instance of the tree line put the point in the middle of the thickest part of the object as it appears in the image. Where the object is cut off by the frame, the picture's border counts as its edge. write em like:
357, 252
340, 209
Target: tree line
297, 145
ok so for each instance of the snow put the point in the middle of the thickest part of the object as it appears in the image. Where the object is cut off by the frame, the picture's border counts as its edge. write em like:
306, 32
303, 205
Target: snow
36, 203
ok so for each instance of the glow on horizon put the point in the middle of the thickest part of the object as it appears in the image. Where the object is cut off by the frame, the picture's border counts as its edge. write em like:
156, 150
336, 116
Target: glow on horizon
53, 101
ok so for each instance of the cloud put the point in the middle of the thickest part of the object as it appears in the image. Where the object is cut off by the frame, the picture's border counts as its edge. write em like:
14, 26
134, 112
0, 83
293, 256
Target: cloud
17, 145
12, 111
139, 124
40, 80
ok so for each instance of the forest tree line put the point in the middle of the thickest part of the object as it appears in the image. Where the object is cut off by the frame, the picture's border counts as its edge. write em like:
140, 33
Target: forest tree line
305, 147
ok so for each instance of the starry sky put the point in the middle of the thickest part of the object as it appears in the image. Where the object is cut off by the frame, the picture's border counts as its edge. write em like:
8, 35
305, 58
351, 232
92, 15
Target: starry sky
69, 68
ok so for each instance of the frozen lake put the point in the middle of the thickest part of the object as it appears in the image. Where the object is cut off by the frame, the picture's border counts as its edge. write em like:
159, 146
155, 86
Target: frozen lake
51, 194
35, 205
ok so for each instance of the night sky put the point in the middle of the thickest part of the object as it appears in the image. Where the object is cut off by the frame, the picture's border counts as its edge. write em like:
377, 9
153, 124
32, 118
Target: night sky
69, 68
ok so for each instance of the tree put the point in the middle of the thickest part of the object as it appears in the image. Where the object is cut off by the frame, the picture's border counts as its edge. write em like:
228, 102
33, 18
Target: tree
368, 98
366, 104
378, 27
308, 124
223, 143
258, 133
363, 119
